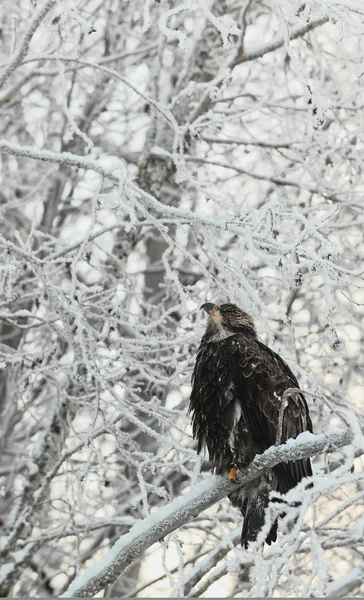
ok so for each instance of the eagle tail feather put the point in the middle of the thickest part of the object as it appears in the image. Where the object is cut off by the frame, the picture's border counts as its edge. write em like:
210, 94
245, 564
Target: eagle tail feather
253, 522
290, 474
272, 535
252, 500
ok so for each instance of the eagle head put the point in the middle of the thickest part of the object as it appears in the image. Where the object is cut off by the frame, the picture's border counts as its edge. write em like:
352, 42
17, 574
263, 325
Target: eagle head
226, 320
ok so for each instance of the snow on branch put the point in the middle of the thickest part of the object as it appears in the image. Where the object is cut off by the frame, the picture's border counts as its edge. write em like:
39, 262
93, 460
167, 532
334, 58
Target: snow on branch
184, 508
346, 584
65, 158
18, 56
280, 40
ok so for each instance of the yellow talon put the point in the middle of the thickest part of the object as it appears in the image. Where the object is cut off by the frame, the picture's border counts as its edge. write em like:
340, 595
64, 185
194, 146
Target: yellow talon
232, 474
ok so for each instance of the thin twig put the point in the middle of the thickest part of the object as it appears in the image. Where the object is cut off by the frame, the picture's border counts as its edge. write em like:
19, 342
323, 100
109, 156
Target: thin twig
279, 41
17, 58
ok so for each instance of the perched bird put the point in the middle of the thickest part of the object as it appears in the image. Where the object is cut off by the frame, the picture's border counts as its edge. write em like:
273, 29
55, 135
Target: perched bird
239, 409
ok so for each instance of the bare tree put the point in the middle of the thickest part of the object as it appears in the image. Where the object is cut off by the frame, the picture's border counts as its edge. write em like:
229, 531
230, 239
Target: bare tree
156, 155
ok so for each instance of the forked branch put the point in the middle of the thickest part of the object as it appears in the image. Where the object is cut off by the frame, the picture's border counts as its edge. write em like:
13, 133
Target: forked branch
184, 508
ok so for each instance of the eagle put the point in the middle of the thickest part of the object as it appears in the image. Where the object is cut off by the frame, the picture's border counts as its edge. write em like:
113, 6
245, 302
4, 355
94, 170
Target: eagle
245, 399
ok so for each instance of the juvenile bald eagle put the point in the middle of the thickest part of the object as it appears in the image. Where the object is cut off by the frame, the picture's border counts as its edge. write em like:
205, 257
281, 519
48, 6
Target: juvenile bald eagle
238, 387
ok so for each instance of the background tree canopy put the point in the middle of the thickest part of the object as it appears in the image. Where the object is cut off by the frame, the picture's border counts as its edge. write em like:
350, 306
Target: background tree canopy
156, 155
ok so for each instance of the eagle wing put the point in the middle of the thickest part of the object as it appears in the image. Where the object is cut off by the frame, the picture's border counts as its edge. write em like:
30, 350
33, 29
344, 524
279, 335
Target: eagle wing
261, 378
213, 405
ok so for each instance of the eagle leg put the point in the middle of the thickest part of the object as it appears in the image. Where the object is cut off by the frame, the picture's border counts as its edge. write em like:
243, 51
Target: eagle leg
232, 474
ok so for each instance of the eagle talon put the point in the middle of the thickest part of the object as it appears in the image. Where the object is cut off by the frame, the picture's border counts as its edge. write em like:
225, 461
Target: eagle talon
232, 474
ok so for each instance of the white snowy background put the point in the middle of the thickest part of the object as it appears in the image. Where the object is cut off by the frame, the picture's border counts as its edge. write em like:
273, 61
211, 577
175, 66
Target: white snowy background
156, 155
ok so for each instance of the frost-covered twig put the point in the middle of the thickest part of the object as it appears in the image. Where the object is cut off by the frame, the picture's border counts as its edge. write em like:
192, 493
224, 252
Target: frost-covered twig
280, 181
204, 566
62, 158
346, 584
151, 202
199, 498
279, 41
166, 114
24, 45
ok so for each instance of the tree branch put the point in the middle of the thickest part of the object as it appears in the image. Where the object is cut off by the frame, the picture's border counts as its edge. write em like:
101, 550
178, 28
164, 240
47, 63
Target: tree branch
23, 48
181, 510
150, 202
63, 158
84, 162
282, 181
279, 41
209, 562
346, 584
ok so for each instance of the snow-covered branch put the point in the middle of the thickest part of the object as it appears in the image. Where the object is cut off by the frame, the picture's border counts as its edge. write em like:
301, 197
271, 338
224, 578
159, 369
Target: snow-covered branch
346, 584
181, 510
61, 158
21, 52
279, 41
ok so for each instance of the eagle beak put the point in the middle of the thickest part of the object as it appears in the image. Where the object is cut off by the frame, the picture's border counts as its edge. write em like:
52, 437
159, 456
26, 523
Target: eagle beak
213, 311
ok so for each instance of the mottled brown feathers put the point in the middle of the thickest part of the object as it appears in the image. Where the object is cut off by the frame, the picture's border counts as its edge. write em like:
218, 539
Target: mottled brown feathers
238, 386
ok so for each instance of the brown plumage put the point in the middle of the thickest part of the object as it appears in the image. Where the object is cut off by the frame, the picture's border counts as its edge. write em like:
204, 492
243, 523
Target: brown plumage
238, 388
